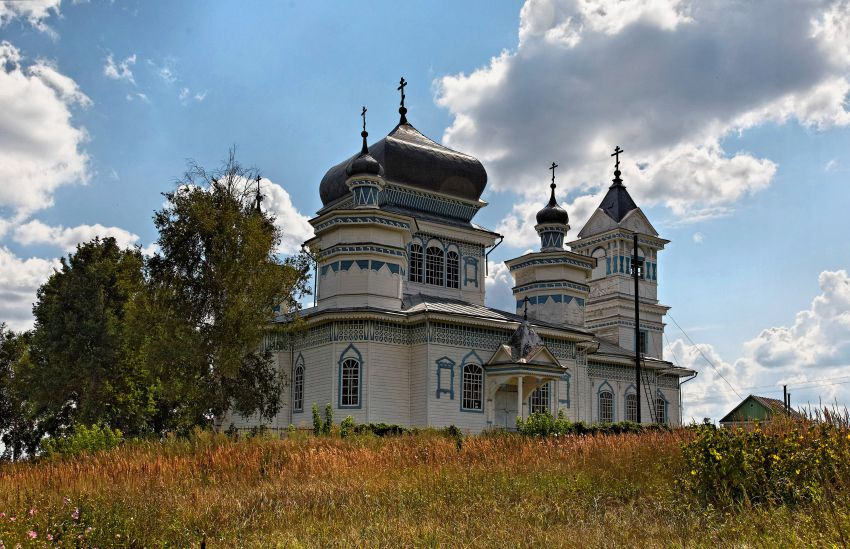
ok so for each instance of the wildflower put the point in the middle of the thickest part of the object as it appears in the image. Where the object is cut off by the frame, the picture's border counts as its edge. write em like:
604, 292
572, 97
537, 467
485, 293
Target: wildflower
32, 534
66, 501
775, 457
13, 519
88, 530
32, 512
693, 471
76, 514
2, 515
49, 537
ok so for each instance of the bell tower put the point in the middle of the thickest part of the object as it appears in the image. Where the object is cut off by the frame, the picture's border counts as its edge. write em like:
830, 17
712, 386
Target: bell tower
608, 238
550, 285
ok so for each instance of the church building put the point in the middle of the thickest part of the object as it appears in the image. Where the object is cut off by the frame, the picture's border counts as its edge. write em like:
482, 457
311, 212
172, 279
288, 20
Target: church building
400, 332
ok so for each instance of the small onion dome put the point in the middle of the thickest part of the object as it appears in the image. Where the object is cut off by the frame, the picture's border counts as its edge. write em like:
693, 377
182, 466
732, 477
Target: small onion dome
552, 213
364, 163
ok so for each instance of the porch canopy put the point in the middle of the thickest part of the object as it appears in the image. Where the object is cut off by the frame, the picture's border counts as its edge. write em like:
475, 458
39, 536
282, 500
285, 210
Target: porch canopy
525, 362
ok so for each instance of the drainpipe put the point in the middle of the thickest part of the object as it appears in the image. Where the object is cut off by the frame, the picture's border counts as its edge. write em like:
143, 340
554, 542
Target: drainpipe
487, 256
680, 395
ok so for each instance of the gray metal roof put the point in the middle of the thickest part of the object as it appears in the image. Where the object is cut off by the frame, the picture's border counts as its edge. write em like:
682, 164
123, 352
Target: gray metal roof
410, 158
617, 202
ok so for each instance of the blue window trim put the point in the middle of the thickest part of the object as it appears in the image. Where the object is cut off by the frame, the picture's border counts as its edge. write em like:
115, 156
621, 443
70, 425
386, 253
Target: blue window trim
467, 261
299, 362
606, 387
630, 390
350, 352
658, 394
548, 397
445, 363
472, 358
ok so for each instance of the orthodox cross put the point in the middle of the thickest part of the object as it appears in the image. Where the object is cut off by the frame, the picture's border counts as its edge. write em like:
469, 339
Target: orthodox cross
259, 196
401, 85
616, 155
363, 114
552, 167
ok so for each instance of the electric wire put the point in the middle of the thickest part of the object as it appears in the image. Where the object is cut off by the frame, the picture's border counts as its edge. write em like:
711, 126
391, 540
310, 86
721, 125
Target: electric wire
704, 357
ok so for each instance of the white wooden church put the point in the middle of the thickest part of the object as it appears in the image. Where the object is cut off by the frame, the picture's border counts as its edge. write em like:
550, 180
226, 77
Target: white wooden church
400, 332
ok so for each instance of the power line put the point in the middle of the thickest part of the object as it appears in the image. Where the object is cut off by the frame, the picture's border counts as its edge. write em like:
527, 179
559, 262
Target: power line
777, 390
705, 357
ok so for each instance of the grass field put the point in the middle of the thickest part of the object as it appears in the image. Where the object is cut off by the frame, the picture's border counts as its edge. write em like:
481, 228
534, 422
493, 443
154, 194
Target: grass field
420, 490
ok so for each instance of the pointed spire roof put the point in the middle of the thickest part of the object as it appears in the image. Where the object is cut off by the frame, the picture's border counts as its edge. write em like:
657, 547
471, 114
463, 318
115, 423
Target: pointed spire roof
524, 341
617, 202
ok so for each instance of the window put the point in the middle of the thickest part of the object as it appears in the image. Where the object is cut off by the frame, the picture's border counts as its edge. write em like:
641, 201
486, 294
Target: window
452, 270
434, 266
415, 266
643, 340
473, 387
298, 387
631, 407
606, 407
538, 402
660, 410
350, 388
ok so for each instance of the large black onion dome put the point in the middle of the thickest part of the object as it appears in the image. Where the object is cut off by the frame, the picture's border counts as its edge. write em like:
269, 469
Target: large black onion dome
553, 213
410, 158
364, 163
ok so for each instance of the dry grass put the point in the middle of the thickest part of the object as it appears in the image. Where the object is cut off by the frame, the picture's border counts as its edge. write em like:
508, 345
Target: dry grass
408, 491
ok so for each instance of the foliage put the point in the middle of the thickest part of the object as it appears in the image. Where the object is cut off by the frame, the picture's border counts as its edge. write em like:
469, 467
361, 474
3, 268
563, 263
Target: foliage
318, 424
346, 427
18, 431
499, 490
77, 369
214, 286
82, 439
785, 463
382, 429
328, 424
545, 424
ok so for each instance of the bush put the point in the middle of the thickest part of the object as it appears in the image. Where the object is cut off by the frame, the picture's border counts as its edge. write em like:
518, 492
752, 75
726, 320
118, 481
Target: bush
381, 429
318, 424
545, 425
346, 428
788, 465
329, 420
82, 439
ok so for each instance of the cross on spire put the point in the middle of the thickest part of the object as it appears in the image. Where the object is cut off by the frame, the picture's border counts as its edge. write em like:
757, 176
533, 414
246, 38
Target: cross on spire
616, 155
363, 115
259, 196
552, 167
402, 110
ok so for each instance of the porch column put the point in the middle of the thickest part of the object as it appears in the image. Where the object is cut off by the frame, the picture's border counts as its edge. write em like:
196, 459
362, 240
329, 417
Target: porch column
519, 409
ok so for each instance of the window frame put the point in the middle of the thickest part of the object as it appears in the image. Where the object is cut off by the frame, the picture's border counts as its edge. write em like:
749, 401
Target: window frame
452, 269
608, 395
298, 386
435, 269
472, 386
416, 258
660, 410
540, 399
630, 408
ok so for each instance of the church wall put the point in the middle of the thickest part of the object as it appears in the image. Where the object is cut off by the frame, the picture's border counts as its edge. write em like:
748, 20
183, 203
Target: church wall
318, 376
279, 421
389, 375
418, 381
445, 410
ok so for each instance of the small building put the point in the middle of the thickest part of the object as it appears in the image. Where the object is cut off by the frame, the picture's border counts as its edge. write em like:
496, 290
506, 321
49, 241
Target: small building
756, 408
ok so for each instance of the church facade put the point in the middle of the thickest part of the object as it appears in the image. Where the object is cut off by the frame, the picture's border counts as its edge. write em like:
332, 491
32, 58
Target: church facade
400, 332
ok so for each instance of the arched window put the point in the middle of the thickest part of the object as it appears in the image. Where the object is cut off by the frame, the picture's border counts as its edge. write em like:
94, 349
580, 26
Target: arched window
606, 407
452, 270
473, 387
538, 402
415, 263
350, 383
434, 266
298, 386
631, 407
660, 410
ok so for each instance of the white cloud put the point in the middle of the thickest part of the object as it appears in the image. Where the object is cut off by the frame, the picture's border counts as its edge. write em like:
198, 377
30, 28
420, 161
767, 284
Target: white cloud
831, 165
815, 347
200, 96
665, 79
698, 237
122, 70
19, 280
293, 225
40, 147
498, 286
67, 238
183, 95
36, 12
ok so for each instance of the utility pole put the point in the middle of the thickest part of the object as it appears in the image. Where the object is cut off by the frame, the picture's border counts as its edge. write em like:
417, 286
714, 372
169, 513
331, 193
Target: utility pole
635, 274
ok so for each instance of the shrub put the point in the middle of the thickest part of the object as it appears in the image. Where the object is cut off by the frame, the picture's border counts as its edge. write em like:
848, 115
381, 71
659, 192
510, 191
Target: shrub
329, 420
381, 429
318, 424
790, 464
82, 439
545, 424
346, 428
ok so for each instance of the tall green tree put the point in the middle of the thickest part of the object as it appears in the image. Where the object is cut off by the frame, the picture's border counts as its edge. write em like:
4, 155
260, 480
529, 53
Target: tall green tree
216, 285
18, 431
77, 367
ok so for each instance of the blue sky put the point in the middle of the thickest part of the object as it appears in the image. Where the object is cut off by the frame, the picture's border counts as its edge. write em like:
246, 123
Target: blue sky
734, 118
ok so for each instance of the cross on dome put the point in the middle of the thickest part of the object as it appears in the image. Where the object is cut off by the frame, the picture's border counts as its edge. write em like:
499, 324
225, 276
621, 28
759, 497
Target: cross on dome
402, 110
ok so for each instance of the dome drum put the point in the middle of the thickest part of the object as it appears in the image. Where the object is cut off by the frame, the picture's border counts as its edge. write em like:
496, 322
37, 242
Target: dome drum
367, 191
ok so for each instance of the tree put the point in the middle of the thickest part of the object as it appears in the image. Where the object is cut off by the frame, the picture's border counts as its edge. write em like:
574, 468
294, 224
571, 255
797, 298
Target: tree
215, 286
77, 368
18, 431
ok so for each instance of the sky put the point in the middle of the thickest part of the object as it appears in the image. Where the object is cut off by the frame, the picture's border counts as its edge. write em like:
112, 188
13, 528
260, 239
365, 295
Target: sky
734, 117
